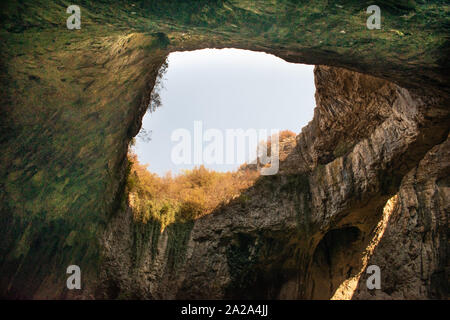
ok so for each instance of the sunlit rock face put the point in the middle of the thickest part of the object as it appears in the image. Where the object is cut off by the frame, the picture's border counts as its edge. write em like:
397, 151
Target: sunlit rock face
311, 231
414, 248
72, 100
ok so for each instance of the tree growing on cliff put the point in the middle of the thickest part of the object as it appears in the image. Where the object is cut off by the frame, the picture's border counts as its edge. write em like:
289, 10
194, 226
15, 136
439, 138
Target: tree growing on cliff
155, 96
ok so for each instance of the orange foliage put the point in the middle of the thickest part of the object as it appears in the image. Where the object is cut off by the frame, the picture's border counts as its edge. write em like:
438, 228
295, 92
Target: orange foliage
190, 195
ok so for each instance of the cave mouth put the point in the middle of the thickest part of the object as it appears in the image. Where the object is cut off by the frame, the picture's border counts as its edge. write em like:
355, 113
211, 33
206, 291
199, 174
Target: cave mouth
211, 114
210, 90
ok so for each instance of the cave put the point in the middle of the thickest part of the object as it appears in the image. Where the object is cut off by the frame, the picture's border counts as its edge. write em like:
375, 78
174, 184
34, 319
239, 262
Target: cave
73, 99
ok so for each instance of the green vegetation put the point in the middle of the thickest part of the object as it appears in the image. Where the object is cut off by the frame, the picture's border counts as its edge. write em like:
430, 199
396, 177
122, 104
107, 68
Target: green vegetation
178, 237
145, 237
155, 98
71, 101
185, 197
173, 203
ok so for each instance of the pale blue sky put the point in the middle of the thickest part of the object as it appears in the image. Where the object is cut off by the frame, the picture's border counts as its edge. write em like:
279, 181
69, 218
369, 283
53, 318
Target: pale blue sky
225, 89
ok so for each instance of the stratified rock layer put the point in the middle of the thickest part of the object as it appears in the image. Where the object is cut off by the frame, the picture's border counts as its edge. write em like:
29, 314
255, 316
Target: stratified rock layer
413, 252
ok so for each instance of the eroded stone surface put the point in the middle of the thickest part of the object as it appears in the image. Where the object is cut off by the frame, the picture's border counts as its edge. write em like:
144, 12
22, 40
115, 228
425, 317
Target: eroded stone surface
304, 232
71, 101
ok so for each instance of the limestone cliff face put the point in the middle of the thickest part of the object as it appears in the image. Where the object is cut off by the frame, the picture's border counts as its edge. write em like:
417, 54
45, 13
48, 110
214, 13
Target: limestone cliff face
414, 248
71, 101
366, 182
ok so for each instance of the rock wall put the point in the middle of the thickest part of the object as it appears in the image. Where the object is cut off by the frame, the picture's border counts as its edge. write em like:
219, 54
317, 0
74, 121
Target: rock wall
71, 101
413, 253
310, 231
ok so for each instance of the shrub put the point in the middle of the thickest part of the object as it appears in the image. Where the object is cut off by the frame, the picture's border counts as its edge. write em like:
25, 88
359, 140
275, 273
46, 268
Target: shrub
185, 197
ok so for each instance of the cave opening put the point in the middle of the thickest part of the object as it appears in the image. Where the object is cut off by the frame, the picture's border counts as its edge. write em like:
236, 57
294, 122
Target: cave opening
223, 89
208, 132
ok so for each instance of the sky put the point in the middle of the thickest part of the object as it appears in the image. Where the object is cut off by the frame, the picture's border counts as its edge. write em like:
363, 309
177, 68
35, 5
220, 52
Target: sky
224, 89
